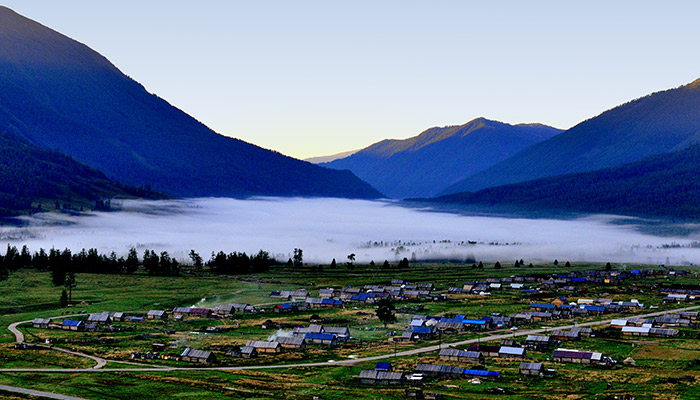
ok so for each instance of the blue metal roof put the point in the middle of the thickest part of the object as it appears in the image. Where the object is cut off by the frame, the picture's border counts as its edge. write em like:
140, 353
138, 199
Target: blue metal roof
319, 336
594, 308
285, 306
478, 372
70, 322
383, 366
538, 305
421, 329
474, 322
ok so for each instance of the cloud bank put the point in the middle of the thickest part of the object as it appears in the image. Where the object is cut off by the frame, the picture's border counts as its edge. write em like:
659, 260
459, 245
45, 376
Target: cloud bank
333, 228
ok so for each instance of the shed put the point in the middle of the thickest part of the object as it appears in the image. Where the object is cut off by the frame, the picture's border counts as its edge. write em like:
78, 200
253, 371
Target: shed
73, 325
101, 318
249, 352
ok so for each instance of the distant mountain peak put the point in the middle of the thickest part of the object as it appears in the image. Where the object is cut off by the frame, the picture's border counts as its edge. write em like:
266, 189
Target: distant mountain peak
694, 85
423, 165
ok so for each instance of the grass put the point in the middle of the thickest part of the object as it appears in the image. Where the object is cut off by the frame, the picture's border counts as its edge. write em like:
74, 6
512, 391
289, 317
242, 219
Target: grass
28, 294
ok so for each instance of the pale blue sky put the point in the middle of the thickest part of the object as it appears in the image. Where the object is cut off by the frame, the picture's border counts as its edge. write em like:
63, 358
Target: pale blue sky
312, 78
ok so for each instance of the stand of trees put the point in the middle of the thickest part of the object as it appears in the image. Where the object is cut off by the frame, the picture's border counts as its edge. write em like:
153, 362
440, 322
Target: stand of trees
63, 264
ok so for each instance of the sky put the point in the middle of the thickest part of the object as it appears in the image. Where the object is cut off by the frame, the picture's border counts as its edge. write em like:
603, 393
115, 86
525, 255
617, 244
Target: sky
312, 78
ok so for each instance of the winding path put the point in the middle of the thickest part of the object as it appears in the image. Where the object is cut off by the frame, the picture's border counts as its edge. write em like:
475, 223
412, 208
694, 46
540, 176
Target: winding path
13, 389
426, 349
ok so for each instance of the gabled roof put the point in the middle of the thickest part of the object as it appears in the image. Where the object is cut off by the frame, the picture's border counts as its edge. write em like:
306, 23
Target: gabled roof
194, 353
320, 336
381, 375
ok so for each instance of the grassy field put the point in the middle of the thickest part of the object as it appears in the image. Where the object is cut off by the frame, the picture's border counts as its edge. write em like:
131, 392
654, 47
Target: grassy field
665, 368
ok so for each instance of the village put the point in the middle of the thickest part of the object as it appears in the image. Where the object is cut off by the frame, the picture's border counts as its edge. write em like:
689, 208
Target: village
483, 331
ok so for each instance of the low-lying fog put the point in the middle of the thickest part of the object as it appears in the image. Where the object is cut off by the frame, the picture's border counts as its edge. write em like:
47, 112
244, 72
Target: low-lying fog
333, 228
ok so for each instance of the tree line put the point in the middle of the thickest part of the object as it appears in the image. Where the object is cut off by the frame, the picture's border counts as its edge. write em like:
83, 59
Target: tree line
63, 263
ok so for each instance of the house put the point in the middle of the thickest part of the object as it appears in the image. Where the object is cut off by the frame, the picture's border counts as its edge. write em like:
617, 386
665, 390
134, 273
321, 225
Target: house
474, 324
73, 325
181, 311
618, 323
295, 343
314, 302
531, 369
377, 377
559, 301
485, 349
265, 347
447, 371
541, 316
422, 332
635, 331
406, 336
566, 335
41, 322
249, 352
341, 332
301, 331
461, 355
542, 307
283, 308
200, 312
511, 352
198, 356
659, 332
102, 318
577, 356
117, 316
321, 338
157, 314
449, 327
539, 342
327, 293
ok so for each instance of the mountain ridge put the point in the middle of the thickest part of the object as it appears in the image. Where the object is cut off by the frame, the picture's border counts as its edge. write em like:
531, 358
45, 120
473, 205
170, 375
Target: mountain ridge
663, 185
660, 122
59, 94
425, 164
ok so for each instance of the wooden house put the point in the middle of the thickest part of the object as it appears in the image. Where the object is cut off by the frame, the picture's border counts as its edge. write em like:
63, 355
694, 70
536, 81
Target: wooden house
376, 377
486, 349
473, 357
249, 352
73, 325
265, 347
41, 322
101, 318
511, 352
321, 338
197, 356
295, 343
157, 314
531, 369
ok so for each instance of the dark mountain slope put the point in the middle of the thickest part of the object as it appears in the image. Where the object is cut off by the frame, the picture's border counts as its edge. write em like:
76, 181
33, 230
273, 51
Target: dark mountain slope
426, 164
32, 179
664, 185
59, 94
655, 124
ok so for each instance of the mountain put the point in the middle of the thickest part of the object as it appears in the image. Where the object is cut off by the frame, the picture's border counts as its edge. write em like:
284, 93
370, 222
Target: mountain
332, 157
59, 94
426, 164
658, 123
664, 185
34, 179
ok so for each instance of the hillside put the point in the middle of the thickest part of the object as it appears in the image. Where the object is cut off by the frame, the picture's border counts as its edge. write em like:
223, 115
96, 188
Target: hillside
664, 185
658, 123
33, 179
426, 164
59, 94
